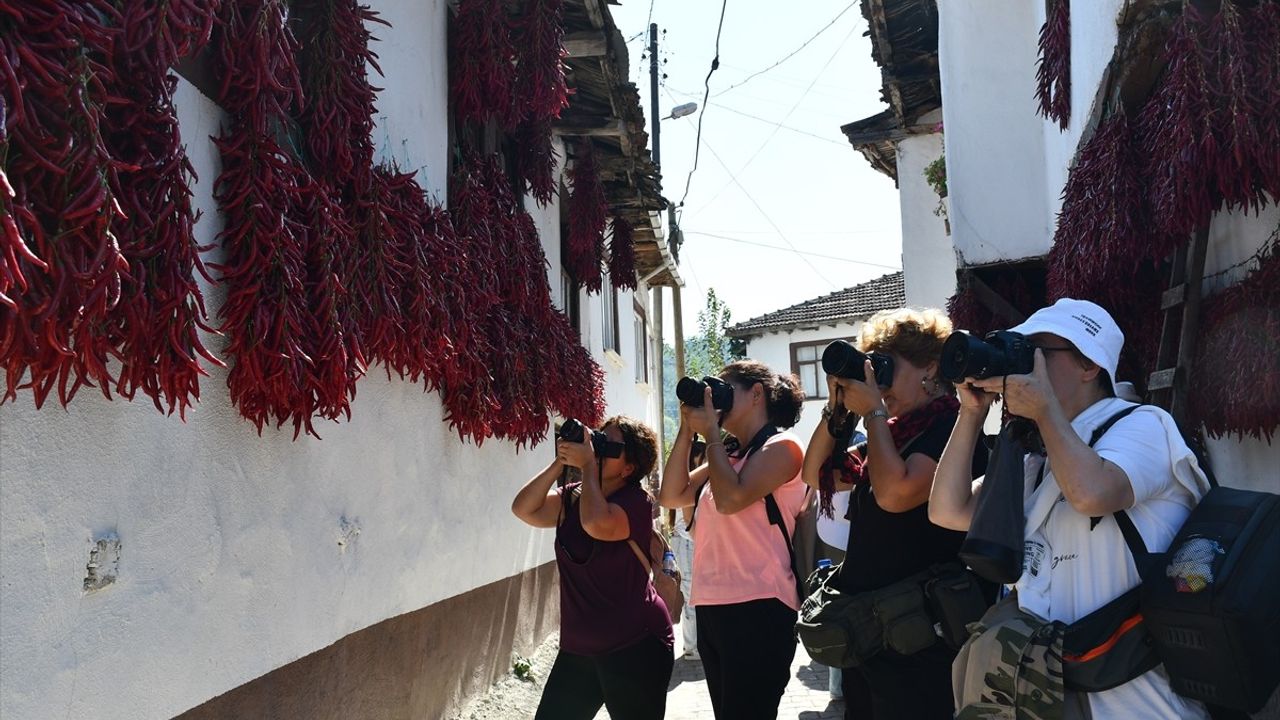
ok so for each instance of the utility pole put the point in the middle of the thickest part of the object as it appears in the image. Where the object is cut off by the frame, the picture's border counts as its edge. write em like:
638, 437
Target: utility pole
657, 289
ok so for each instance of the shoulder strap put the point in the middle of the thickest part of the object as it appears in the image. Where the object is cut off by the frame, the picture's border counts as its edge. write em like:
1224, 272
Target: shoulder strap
644, 562
1132, 537
756, 443
774, 513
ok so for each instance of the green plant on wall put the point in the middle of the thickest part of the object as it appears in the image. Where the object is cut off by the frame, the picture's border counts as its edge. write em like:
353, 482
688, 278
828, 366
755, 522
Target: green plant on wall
935, 173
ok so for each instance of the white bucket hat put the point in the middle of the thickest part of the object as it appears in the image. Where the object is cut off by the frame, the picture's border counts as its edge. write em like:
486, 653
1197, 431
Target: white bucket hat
1085, 325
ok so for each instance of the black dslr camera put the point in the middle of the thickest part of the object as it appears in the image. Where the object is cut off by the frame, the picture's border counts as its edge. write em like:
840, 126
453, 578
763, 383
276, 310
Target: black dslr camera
690, 392
844, 360
1001, 353
574, 431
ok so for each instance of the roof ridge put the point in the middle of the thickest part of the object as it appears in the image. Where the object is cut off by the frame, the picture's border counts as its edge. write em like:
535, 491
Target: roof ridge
853, 301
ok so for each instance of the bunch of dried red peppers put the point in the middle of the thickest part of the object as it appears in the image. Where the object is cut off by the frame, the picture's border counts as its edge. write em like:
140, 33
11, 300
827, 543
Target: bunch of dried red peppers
330, 263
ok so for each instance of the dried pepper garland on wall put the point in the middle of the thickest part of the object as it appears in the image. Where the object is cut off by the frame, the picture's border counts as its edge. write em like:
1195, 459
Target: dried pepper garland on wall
588, 214
1053, 71
1237, 347
541, 92
622, 255
62, 266
261, 193
161, 310
1206, 140
482, 69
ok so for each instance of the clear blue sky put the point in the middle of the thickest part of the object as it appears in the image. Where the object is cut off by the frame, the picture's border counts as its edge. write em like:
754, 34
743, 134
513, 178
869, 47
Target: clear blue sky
785, 178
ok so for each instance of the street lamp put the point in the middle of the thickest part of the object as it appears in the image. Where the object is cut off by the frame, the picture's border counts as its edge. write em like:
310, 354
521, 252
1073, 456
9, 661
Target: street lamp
680, 111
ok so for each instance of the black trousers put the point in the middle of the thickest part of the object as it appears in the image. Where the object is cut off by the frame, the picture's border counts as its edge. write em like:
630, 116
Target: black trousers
890, 686
746, 651
631, 683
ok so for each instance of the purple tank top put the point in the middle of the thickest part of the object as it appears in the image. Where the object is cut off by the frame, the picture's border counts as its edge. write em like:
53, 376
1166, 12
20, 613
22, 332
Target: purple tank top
607, 601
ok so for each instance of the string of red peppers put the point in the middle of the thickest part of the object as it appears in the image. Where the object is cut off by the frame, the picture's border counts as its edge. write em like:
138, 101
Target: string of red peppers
588, 214
1207, 139
541, 92
61, 273
161, 310
260, 192
1237, 346
622, 255
1053, 70
482, 70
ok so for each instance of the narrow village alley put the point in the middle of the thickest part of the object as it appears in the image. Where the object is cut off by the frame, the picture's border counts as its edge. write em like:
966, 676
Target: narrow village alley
806, 698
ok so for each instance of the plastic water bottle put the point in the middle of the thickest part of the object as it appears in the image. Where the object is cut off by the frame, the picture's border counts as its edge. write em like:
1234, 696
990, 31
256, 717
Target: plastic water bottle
824, 563
669, 564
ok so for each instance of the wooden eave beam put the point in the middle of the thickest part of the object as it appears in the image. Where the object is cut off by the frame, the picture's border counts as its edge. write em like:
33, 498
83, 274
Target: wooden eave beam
585, 44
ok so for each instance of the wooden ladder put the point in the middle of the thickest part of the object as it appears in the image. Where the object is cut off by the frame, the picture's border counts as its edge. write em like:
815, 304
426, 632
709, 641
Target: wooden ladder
1167, 386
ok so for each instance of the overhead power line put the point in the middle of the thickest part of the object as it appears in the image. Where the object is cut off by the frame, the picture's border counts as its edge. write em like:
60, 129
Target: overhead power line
789, 55
768, 219
784, 249
761, 119
778, 125
702, 111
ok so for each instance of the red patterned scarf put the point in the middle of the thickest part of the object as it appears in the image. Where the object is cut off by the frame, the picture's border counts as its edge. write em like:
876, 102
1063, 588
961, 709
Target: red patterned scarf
850, 468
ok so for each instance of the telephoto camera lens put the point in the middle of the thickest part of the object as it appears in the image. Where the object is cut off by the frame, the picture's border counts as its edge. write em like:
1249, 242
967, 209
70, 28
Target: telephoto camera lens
1000, 353
574, 431
690, 392
843, 360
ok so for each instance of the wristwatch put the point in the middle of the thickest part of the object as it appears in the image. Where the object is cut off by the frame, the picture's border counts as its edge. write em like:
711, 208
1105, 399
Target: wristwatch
878, 412
826, 412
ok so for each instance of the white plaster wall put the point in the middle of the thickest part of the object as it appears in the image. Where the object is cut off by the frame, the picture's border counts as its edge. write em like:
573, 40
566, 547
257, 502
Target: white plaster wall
928, 256
995, 148
774, 350
242, 553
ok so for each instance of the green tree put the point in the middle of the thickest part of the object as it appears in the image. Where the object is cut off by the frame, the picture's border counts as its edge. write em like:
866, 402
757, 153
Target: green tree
705, 353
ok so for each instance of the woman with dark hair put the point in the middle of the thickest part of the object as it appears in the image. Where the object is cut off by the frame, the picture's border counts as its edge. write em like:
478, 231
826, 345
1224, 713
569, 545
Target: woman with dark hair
746, 497
616, 642
889, 476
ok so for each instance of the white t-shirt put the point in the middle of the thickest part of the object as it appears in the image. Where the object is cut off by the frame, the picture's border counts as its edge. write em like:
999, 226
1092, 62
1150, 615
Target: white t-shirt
1071, 569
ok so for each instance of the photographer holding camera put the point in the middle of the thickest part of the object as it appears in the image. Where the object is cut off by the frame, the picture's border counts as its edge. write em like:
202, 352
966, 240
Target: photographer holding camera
908, 410
744, 587
616, 641
1100, 468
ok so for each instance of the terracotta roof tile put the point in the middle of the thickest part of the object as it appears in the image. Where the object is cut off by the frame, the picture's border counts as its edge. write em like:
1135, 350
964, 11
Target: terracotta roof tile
884, 293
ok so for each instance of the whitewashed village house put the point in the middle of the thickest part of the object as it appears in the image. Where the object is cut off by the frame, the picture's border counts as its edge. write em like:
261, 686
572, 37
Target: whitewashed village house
792, 339
155, 568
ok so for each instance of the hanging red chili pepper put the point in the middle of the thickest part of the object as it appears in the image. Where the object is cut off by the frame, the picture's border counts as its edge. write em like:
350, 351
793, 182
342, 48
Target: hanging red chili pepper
1176, 128
588, 214
162, 310
1236, 345
262, 193
482, 69
63, 265
536, 158
622, 255
540, 81
1053, 71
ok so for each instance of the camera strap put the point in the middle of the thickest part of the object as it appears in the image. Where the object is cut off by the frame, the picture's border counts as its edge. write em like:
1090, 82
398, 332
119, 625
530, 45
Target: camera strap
756, 443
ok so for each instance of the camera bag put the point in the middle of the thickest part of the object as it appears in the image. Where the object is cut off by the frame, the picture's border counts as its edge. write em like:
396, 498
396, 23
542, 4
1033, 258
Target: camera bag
1211, 600
1206, 607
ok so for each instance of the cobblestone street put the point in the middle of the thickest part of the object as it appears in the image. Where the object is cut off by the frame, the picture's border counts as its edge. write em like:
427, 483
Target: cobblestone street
807, 697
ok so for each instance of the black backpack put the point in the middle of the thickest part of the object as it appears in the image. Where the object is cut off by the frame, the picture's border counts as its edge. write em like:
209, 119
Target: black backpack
1212, 601
1209, 606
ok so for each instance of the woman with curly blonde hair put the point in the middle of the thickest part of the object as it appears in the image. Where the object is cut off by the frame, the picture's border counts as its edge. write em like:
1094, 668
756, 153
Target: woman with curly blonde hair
890, 475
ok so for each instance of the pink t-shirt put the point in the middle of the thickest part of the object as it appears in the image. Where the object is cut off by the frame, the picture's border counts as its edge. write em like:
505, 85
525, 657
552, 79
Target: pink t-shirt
741, 557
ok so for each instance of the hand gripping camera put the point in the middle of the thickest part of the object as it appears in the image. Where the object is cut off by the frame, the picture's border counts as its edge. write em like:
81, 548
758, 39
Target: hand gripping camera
1001, 353
843, 360
575, 431
690, 392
